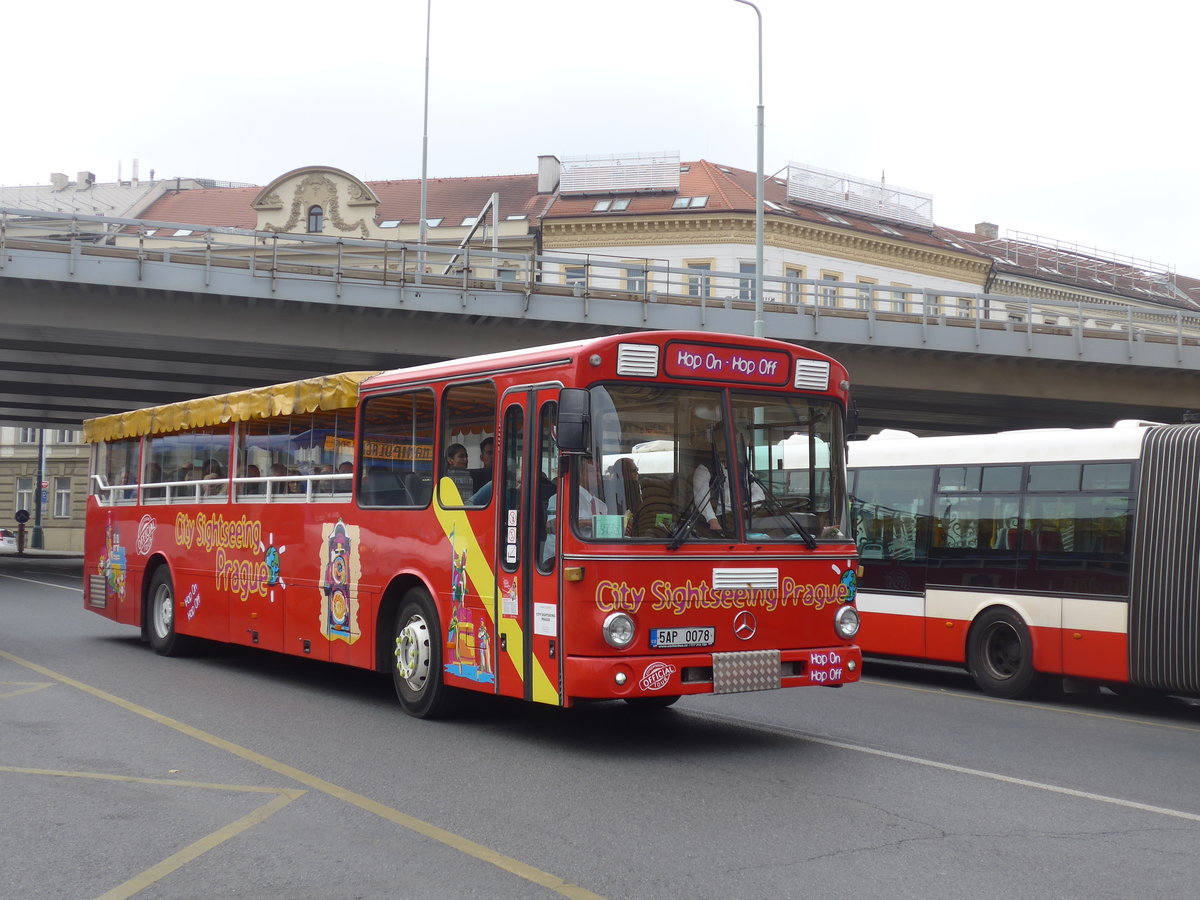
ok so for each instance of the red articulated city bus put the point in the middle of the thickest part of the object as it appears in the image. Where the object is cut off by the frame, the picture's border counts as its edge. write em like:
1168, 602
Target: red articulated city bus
632, 517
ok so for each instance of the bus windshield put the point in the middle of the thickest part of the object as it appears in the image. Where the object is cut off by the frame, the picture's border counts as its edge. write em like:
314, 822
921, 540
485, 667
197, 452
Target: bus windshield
674, 465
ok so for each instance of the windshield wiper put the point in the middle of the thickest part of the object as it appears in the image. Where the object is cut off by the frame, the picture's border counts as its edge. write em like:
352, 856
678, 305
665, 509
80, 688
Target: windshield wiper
777, 507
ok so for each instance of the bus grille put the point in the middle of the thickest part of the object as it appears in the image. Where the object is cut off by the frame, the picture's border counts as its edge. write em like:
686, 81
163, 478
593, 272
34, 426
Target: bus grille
97, 591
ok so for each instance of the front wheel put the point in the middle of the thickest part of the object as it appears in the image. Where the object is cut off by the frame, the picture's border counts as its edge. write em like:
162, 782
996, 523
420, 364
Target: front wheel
417, 669
659, 702
1000, 655
160, 617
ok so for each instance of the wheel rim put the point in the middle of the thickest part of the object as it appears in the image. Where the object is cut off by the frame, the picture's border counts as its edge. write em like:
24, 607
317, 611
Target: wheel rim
162, 613
412, 653
1002, 651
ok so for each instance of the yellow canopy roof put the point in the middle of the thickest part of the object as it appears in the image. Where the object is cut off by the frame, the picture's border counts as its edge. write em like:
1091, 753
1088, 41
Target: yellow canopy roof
325, 392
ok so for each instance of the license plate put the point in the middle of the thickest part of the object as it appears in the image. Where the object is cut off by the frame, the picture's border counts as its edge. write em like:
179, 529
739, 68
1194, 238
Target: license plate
665, 638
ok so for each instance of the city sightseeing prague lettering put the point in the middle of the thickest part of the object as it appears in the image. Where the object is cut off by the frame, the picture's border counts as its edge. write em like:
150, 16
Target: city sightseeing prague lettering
664, 596
245, 565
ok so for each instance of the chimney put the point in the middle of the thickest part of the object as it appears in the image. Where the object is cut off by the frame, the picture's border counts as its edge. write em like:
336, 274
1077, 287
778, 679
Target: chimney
549, 170
987, 231
135, 173
84, 180
59, 181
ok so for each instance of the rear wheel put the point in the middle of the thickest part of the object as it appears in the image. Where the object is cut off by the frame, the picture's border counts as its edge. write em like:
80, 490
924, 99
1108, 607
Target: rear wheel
160, 617
417, 668
1000, 655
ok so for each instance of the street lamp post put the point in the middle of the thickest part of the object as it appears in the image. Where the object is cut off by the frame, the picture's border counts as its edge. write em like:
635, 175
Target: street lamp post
422, 229
758, 194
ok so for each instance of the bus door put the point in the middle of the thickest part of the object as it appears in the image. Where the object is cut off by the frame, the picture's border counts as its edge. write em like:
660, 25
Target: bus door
527, 597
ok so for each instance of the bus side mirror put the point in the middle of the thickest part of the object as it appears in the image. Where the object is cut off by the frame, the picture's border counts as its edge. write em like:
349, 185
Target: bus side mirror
574, 420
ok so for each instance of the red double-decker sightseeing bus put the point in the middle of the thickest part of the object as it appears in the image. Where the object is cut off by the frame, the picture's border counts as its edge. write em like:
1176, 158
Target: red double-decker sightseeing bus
633, 517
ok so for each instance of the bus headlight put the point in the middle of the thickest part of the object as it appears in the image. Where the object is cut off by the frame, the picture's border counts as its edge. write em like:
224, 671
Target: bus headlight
618, 630
845, 622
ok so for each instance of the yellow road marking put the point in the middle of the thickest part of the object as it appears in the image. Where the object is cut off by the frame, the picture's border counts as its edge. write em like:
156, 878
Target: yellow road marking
426, 829
23, 687
141, 881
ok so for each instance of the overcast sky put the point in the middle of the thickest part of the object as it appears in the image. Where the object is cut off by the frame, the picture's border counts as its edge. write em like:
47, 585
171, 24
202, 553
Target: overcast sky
1074, 121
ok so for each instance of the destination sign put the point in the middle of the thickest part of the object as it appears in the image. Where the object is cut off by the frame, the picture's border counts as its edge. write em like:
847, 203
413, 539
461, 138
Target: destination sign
683, 360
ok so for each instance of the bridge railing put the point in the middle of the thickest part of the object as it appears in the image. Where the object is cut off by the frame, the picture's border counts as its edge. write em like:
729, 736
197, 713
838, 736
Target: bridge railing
286, 258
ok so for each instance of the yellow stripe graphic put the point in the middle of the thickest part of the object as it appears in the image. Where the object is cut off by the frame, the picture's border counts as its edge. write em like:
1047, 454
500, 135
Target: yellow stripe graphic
458, 531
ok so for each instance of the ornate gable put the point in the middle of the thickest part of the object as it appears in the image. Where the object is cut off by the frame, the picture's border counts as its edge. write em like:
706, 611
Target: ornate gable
347, 204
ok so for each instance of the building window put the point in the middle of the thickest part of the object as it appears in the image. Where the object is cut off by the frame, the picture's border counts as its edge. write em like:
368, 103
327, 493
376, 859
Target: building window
829, 293
699, 285
899, 301
865, 294
65, 436
689, 202
611, 205
316, 220
434, 223
506, 274
27, 435
575, 276
746, 285
25, 492
635, 279
792, 292
62, 497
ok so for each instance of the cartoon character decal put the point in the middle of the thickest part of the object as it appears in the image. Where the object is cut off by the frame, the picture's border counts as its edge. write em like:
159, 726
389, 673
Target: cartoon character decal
342, 571
468, 644
112, 563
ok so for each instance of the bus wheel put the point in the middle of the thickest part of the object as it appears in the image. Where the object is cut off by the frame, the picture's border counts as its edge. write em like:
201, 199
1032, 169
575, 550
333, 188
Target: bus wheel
1000, 655
653, 702
160, 612
417, 673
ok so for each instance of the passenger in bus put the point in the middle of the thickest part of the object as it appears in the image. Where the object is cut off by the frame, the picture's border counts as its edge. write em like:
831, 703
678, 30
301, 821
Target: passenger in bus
252, 487
717, 511
457, 471
623, 486
212, 469
487, 458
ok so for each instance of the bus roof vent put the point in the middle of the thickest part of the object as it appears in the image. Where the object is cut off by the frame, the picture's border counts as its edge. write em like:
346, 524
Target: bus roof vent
640, 360
812, 375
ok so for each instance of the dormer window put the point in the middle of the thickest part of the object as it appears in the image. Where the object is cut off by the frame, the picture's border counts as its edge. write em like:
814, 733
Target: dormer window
316, 220
689, 202
611, 205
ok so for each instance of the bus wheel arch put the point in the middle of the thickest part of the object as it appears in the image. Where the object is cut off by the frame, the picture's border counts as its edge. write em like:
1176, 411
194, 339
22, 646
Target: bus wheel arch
1000, 654
158, 618
416, 658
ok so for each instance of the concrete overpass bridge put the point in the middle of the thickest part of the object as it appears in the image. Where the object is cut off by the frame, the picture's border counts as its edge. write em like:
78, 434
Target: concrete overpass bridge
98, 316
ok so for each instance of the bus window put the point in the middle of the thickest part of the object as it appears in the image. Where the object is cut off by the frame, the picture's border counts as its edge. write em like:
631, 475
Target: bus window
396, 450
468, 419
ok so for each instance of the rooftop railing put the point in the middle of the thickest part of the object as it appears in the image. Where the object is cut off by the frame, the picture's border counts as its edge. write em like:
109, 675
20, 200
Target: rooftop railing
286, 259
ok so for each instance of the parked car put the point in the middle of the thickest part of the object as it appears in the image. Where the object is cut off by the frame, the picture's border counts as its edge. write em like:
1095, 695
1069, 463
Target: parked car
8, 541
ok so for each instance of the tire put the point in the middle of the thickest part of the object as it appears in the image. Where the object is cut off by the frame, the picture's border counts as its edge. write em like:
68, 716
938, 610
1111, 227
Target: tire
160, 617
653, 702
1000, 655
417, 667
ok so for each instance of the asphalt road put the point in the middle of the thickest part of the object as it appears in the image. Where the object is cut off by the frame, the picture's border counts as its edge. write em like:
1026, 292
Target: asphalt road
238, 773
